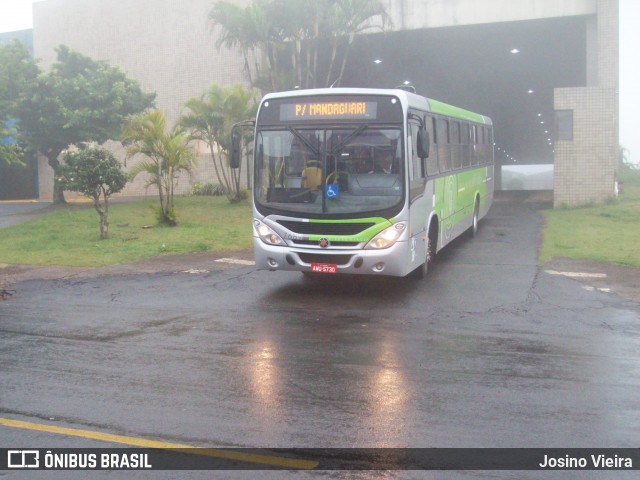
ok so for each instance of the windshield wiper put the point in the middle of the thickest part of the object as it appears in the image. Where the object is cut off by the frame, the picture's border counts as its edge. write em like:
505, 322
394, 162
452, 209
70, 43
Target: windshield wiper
352, 135
306, 142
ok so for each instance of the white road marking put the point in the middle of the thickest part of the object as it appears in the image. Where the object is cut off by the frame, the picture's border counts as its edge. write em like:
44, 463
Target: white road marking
593, 289
236, 261
577, 274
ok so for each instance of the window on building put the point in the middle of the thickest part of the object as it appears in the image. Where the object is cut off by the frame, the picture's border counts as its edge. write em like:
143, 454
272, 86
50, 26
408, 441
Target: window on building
564, 125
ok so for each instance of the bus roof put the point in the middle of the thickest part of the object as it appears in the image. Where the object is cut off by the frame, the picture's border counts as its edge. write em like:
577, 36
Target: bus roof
409, 99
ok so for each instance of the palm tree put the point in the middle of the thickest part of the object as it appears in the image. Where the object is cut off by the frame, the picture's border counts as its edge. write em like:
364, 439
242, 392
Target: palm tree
251, 30
289, 32
210, 119
348, 18
166, 155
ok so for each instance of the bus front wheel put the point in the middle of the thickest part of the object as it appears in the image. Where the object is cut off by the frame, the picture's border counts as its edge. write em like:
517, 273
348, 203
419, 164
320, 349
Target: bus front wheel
422, 271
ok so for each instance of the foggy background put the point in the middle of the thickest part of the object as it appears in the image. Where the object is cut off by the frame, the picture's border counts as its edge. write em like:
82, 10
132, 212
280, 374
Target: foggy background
16, 15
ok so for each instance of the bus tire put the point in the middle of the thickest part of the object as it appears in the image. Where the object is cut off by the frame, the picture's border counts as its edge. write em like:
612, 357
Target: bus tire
422, 271
476, 219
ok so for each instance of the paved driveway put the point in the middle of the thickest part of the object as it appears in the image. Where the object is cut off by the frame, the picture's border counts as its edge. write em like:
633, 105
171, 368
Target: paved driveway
12, 213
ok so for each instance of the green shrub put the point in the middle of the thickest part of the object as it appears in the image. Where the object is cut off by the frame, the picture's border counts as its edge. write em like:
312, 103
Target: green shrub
211, 189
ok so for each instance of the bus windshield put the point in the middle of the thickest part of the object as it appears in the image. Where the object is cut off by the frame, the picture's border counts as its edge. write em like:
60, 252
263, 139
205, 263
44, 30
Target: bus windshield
353, 169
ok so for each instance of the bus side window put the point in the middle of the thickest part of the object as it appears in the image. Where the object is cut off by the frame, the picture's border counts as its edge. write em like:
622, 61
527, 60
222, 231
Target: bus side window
485, 145
432, 160
474, 146
456, 149
490, 130
444, 152
466, 147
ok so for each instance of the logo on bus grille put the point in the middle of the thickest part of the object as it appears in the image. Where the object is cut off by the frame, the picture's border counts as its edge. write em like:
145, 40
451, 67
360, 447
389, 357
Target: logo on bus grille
324, 243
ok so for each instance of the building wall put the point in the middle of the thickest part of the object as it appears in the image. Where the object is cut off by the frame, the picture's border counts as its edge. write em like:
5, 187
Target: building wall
167, 46
585, 166
414, 14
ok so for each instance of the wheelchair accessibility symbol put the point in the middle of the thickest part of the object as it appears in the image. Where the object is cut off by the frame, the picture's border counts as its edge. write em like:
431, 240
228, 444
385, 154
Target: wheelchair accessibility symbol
332, 191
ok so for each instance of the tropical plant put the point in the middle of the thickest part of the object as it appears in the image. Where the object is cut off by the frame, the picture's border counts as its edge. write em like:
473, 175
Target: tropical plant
210, 119
209, 189
624, 160
96, 174
288, 34
166, 154
345, 20
79, 101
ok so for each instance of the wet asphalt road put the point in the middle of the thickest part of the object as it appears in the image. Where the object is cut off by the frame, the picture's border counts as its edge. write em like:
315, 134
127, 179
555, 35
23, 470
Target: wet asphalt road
490, 351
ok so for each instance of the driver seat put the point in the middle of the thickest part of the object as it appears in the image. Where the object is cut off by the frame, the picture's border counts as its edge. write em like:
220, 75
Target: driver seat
312, 178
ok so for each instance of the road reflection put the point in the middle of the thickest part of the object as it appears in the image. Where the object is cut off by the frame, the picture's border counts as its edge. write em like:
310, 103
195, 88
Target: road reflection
303, 366
389, 394
264, 375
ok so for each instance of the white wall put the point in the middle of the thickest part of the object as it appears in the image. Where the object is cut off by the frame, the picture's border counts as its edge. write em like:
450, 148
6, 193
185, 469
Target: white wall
413, 14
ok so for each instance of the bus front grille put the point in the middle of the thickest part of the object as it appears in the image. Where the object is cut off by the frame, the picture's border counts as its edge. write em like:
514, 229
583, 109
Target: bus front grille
336, 243
311, 228
327, 258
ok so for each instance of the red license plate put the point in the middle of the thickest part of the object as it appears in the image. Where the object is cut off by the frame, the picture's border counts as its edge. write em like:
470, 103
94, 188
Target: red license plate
324, 268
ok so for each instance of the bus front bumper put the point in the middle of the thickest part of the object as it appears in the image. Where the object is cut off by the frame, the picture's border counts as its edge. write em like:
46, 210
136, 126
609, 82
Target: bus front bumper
393, 261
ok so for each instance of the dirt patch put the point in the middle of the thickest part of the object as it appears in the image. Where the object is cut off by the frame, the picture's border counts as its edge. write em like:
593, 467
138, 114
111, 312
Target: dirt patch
11, 274
607, 277
616, 279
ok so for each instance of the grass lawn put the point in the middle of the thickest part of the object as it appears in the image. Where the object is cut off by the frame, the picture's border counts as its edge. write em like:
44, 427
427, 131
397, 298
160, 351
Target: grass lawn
607, 233
70, 234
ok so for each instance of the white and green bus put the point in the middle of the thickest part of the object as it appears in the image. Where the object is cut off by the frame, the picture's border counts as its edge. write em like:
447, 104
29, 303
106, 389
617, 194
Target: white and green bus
365, 181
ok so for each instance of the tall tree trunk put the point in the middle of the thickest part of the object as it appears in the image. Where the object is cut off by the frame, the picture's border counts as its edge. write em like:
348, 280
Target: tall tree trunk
103, 212
246, 65
271, 66
163, 211
54, 163
298, 64
344, 58
334, 51
104, 226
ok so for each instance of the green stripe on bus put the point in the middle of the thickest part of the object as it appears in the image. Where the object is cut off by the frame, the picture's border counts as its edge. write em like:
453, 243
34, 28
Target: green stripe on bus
379, 225
353, 220
450, 110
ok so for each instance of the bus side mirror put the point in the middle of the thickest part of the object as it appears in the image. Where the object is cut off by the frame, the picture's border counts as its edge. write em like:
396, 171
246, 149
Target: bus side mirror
423, 143
234, 161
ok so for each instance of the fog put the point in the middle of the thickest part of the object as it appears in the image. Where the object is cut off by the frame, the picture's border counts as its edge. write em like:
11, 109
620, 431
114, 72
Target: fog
16, 15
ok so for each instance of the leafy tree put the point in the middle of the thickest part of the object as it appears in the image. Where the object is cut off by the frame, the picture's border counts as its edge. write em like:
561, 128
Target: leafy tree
288, 35
166, 155
10, 151
18, 73
210, 119
95, 173
80, 100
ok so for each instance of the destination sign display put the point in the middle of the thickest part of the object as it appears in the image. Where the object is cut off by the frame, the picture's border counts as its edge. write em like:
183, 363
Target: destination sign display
328, 111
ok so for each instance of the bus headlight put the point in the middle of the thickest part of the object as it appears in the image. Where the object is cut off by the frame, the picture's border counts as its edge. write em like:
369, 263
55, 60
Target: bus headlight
266, 234
388, 237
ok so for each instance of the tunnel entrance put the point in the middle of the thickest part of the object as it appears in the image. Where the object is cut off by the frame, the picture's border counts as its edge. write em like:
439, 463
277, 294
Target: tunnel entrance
507, 71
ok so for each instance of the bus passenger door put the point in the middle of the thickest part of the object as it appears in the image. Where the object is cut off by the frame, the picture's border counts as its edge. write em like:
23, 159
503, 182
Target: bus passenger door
450, 198
420, 201
447, 185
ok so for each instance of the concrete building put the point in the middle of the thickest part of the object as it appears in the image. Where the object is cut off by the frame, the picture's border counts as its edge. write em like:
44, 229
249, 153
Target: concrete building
546, 71
167, 46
